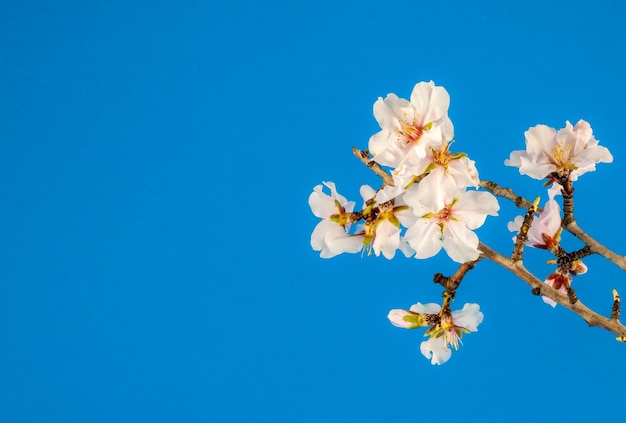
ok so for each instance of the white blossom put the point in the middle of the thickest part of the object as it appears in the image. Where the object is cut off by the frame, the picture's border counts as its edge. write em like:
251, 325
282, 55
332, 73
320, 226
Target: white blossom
440, 163
447, 216
572, 150
446, 328
330, 237
545, 230
384, 213
409, 128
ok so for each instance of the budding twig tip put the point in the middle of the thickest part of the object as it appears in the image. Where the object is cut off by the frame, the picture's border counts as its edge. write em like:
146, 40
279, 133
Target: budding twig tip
536, 202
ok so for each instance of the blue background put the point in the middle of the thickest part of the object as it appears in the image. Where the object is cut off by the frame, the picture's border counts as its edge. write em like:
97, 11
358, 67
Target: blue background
155, 164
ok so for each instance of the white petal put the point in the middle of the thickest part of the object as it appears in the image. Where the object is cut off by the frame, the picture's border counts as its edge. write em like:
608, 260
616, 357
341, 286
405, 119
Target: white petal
388, 111
516, 224
464, 172
435, 192
469, 317
431, 102
535, 161
515, 159
406, 217
437, 349
367, 192
554, 190
424, 237
540, 140
380, 141
430, 308
388, 193
549, 301
396, 317
551, 217
339, 242
460, 243
322, 205
387, 239
318, 238
474, 206
405, 248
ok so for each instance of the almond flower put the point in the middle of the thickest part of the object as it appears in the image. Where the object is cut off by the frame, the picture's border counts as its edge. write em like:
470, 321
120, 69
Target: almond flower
545, 230
384, 212
572, 150
439, 161
409, 128
330, 237
446, 327
447, 217
561, 280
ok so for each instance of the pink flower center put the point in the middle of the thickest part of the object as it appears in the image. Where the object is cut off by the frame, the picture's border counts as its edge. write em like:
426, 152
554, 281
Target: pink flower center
444, 214
411, 132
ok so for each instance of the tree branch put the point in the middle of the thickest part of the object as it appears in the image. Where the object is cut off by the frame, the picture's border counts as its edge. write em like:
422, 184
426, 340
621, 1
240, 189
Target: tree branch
596, 247
507, 193
571, 227
364, 156
451, 283
540, 288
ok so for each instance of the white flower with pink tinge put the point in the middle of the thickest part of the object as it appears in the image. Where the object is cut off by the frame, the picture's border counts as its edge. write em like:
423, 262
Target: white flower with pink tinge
572, 150
330, 237
440, 163
545, 230
446, 330
408, 128
382, 233
447, 217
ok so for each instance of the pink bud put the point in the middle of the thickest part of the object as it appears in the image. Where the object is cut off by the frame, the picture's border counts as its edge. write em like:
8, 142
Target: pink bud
396, 317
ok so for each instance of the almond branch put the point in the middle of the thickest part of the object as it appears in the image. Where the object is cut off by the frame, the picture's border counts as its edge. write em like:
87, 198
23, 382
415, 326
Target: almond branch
540, 288
571, 227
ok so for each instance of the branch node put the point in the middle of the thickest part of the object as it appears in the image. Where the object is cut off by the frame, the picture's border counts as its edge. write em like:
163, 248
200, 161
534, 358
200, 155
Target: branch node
536, 290
571, 295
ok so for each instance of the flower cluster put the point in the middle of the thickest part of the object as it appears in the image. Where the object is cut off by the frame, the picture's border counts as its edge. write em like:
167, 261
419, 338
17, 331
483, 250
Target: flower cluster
446, 327
432, 197
430, 201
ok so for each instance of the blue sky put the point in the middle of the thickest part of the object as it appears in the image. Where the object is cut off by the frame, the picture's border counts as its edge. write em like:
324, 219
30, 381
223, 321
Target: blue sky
156, 160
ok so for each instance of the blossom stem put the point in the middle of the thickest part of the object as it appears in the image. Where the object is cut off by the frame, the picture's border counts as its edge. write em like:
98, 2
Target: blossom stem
451, 283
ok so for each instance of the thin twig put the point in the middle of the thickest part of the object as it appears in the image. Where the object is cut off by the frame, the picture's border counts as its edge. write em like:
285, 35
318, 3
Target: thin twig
596, 247
507, 193
364, 156
451, 283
